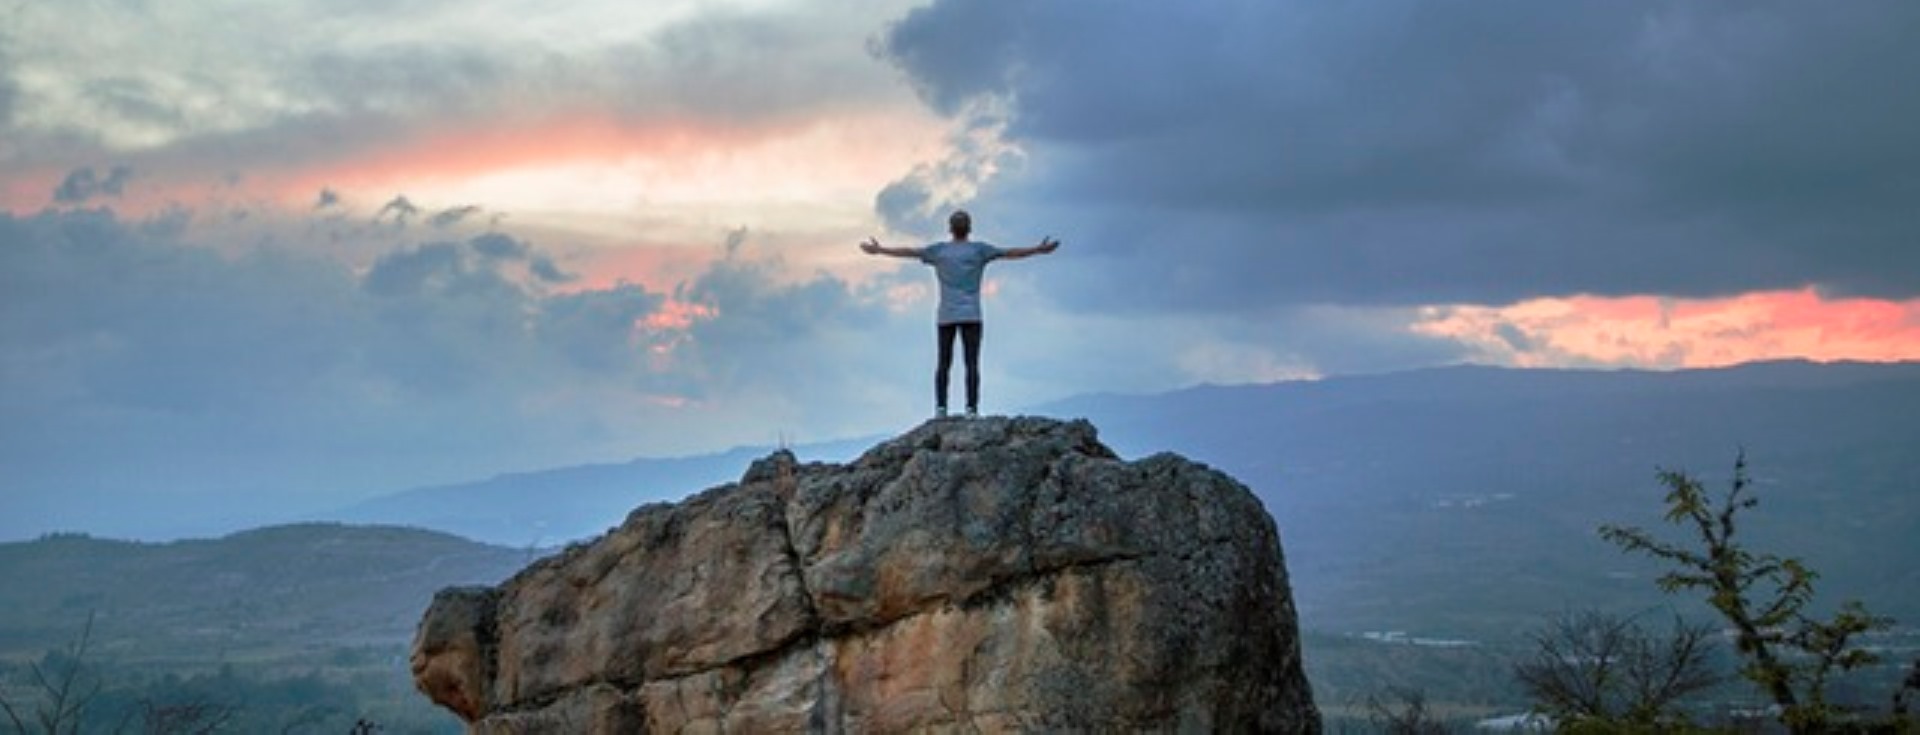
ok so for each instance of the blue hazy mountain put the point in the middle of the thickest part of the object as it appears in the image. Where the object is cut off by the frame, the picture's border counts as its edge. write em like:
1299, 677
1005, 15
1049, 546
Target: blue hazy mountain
556, 506
1466, 499
1454, 501
253, 595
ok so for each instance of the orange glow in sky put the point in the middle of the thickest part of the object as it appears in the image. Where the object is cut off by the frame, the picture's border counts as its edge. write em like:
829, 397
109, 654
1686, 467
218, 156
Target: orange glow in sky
601, 165
1648, 331
456, 155
675, 315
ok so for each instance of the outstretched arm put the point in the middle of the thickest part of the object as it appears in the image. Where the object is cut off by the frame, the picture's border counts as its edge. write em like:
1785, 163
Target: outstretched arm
1047, 245
873, 247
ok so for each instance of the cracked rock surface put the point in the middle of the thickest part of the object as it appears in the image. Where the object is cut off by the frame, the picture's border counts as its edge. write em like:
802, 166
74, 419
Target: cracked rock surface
991, 575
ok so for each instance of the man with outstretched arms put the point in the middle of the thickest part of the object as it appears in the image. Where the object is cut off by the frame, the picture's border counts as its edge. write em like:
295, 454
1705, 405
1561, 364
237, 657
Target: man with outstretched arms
960, 264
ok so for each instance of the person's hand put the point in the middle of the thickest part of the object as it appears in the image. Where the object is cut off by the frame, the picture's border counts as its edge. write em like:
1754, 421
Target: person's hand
870, 247
1048, 244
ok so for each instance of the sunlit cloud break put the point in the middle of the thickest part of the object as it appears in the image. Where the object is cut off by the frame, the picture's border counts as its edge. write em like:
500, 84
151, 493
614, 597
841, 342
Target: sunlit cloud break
1649, 331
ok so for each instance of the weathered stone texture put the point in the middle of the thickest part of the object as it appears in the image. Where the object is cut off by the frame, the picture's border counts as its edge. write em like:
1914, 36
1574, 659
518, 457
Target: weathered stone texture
992, 575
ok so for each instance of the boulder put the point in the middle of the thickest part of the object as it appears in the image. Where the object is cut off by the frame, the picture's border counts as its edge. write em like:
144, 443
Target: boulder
996, 575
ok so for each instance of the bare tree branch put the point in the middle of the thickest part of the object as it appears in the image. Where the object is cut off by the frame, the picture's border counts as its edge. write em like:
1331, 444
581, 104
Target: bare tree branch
1597, 668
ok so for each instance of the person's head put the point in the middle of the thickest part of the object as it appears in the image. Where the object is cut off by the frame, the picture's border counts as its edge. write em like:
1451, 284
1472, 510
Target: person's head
960, 224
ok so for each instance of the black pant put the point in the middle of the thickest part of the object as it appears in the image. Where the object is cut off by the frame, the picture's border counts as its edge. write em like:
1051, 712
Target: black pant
969, 338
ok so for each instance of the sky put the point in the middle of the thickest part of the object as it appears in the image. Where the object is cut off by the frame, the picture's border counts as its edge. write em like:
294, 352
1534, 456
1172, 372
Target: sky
259, 260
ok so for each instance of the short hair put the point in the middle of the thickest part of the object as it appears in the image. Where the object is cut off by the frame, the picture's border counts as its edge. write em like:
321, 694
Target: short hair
960, 220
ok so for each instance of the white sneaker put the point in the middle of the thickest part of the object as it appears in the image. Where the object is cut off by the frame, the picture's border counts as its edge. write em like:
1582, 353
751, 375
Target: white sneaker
972, 412
939, 412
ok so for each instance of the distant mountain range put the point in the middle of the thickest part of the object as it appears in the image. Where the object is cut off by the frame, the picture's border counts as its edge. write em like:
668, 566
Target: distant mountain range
1454, 504
269, 593
1455, 501
557, 506
1464, 501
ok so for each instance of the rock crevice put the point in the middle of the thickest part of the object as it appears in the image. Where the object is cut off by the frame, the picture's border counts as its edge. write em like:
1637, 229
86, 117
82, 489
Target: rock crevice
1001, 575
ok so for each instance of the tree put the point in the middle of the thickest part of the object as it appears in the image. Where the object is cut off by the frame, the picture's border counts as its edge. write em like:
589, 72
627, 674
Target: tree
66, 686
1908, 687
66, 689
1600, 670
1763, 597
189, 718
1403, 713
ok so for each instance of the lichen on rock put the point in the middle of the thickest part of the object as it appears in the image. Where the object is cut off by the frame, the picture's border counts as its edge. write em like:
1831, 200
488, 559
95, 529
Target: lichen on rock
998, 575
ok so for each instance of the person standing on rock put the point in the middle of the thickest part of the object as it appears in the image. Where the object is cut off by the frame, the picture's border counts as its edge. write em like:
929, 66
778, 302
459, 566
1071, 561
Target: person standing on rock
960, 264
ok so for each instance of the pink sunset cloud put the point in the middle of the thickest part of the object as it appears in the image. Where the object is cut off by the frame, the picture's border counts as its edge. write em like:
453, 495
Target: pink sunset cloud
1650, 331
463, 153
29, 190
675, 315
638, 263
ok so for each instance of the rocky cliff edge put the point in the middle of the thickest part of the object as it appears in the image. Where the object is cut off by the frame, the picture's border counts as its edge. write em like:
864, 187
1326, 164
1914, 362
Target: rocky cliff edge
996, 575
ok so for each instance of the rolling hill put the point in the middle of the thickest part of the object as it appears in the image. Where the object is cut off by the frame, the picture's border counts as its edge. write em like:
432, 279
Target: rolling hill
255, 595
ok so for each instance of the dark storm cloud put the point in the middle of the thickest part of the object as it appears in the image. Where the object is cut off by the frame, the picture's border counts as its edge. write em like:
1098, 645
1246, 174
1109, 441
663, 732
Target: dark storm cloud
216, 102
149, 319
438, 77
452, 216
416, 270
112, 309
735, 68
9, 89
167, 224
500, 247
142, 370
402, 209
928, 193
491, 277
543, 268
496, 245
134, 365
795, 336
84, 183
583, 326
135, 100
902, 205
1238, 153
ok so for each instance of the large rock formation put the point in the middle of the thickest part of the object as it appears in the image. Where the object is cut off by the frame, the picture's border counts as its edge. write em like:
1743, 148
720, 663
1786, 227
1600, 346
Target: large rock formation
997, 575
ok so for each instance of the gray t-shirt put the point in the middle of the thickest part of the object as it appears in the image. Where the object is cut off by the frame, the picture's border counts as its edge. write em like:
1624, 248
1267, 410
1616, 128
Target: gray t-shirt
960, 265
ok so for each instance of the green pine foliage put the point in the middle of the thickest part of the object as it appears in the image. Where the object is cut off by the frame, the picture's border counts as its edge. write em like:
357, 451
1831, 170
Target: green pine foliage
1785, 650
